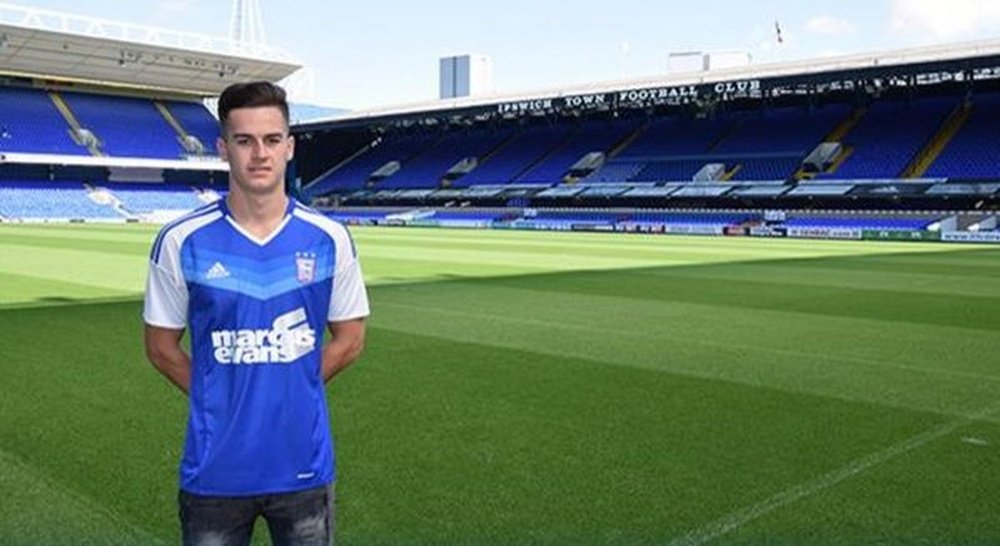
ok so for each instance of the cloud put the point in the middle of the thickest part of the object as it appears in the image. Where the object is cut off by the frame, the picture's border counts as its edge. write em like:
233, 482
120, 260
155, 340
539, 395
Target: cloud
936, 19
830, 26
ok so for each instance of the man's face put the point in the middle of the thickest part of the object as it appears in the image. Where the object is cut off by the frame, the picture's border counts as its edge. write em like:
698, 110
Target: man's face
257, 146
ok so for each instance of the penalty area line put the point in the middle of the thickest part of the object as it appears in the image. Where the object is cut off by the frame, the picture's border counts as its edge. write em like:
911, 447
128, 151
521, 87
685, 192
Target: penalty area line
734, 520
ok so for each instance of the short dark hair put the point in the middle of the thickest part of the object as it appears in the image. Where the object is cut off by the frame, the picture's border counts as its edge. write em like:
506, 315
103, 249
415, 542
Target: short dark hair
251, 95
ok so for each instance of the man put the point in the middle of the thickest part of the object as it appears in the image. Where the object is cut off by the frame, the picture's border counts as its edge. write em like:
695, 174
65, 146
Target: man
255, 277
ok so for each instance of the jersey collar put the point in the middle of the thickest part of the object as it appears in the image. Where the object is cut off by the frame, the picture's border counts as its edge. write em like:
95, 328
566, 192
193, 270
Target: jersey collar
224, 208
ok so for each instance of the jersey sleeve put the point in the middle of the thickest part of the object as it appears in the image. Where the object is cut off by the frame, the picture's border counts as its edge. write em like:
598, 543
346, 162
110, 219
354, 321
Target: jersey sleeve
166, 292
349, 299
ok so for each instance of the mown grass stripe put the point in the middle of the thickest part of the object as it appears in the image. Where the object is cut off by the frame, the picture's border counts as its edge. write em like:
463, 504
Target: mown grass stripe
624, 242
658, 453
735, 520
524, 403
913, 387
109, 246
30, 290
924, 308
680, 339
39, 510
797, 274
124, 232
552, 261
124, 272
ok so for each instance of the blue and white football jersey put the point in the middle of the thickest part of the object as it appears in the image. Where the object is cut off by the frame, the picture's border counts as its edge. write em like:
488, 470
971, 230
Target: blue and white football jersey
256, 311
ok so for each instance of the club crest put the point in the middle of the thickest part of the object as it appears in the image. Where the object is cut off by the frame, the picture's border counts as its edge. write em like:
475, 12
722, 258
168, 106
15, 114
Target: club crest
305, 266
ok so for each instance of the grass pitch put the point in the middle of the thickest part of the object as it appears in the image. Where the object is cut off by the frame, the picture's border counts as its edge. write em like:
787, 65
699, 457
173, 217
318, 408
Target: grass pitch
549, 388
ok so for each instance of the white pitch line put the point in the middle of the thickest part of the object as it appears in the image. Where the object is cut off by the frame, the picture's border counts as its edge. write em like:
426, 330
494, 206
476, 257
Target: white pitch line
743, 516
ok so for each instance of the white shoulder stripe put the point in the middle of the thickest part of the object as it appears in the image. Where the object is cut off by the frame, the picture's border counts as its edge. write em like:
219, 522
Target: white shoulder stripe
207, 209
173, 237
325, 223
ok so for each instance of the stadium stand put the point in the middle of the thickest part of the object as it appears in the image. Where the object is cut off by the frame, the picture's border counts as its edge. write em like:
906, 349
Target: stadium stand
51, 200
116, 121
672, 170
972, 153
112, 130
709, 219
889, 136
356, 173
196, 121
359, 216
446, 216
667, 149
676, 149
618, 171
874, 223
520, 153
673, 136
428, 168
31, 123
42, 121
787, 130
138, 198
710, 158
595, 136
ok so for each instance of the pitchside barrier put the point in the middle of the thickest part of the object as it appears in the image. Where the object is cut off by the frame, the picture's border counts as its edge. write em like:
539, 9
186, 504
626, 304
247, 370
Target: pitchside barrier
770, 230
900, 235
824, 233
971, 237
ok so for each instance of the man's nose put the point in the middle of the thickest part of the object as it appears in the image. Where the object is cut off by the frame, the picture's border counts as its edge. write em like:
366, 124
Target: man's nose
259, 149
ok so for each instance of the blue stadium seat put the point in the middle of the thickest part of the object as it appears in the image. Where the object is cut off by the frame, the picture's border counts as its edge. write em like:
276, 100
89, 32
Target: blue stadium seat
426, 169
50, 200
197, 121
355, 174
141, 198
890, 135
117, 120
616, 171
518, 154
974, 151
859, 223
596, 136
767, 144
30, 123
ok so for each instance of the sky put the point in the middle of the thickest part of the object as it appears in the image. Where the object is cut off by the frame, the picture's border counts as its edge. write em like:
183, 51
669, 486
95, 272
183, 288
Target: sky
373, 53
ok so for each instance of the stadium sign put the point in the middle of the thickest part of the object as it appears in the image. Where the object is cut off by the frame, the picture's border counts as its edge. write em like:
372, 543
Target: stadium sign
636, 98
971, 236
768, 231
692, 229
525, 106
576, 102
900, 235
738, 89
824, 233
587, 101
660, 95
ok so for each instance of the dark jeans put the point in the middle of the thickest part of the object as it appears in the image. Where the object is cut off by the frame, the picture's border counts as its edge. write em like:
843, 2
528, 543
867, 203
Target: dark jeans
299, 518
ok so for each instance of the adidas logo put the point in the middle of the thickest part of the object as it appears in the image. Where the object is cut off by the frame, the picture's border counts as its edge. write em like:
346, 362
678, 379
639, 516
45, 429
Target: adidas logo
218, 271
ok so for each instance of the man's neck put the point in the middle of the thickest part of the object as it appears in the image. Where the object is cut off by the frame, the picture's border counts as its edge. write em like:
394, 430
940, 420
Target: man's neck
260, 215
